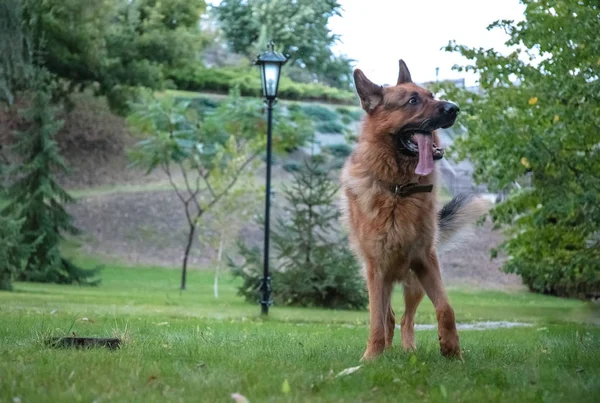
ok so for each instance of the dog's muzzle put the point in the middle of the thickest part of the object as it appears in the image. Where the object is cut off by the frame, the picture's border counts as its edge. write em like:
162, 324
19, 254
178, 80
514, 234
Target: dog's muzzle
448, 114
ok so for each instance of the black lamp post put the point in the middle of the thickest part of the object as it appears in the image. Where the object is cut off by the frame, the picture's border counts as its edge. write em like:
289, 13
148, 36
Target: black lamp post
270, 63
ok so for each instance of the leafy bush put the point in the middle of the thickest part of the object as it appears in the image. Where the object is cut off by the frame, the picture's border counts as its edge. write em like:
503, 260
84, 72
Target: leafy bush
331, 127
327, 119
202, 105
347, 119
353, 113
221, 80
313, 265
294, 107
338, 150
337, 163
203, 102
291, 166
319, 113
547, 116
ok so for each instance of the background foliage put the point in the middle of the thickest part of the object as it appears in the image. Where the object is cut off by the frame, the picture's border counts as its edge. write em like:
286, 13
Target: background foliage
206, 154
536, 120
36, 200
114, 45
247, 80
298, 28
117, 46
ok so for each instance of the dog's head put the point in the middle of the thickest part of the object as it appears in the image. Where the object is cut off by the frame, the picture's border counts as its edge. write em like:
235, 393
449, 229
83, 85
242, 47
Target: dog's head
409, 113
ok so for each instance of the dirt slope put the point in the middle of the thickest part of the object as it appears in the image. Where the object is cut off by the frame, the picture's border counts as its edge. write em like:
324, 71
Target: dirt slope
150, 228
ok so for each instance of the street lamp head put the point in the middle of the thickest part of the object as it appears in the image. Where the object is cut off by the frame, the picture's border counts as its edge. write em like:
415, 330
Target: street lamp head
270, 63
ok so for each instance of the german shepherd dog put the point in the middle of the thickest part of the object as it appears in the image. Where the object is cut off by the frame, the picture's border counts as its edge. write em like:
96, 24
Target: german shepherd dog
389, 204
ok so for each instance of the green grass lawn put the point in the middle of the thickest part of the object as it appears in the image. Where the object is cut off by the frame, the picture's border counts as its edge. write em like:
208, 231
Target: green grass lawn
189, 346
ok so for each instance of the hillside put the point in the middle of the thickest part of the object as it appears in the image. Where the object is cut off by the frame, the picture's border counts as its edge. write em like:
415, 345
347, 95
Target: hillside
128, 215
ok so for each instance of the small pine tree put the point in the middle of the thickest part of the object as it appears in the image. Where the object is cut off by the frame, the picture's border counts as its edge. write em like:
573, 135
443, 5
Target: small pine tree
35, 197
313, 265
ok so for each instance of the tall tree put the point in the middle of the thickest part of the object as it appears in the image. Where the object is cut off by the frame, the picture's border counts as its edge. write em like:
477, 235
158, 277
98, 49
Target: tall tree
221, 228
298, 28
16, 50
71, 34
36, 200
538, 117
205, 158
115, 45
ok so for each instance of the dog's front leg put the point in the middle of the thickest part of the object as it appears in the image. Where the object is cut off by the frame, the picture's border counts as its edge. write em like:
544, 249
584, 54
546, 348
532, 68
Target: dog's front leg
429, 275
413, 294
380, 293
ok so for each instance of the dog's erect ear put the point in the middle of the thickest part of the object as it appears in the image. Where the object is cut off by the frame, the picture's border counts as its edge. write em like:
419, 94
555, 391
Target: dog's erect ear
404, 75
370, 94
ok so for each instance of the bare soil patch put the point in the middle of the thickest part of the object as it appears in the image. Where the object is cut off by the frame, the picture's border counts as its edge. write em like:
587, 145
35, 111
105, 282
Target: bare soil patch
150, 228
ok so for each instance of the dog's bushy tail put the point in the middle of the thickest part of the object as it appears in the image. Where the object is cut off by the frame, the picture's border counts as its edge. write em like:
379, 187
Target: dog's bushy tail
462, 210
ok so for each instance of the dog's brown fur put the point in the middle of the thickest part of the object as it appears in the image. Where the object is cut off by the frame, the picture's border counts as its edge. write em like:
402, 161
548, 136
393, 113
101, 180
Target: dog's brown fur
396, 237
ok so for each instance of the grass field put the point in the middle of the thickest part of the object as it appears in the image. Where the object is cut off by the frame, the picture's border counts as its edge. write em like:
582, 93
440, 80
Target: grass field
189, 346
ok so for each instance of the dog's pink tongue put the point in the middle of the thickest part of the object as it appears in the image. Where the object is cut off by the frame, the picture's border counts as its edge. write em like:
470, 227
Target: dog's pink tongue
425, 143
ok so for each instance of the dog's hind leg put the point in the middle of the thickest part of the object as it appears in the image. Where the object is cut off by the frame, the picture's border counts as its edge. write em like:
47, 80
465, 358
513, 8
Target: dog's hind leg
413, 294
380, 292
428, 272
390, 327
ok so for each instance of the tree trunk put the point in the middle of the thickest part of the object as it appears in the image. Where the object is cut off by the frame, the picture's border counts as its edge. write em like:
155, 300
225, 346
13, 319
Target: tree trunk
186, 255
310, 233
219, 255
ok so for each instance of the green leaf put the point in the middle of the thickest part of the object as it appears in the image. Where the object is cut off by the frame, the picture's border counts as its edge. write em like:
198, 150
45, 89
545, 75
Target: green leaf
443, 391
285, 388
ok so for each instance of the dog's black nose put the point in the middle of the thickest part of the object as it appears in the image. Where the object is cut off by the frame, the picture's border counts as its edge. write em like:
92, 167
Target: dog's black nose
450, 108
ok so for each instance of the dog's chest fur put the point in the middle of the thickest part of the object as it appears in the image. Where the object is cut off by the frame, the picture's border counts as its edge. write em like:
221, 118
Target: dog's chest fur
382, 224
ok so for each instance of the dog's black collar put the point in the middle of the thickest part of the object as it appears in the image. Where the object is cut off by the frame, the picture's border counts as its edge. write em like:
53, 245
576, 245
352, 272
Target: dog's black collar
406, 189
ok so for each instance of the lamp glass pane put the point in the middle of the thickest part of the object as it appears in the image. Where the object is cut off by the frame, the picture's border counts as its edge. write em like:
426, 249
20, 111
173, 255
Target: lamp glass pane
270, 79
262, 80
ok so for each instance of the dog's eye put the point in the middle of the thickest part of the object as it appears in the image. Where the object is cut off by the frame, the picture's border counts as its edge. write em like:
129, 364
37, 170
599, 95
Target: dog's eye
413, 101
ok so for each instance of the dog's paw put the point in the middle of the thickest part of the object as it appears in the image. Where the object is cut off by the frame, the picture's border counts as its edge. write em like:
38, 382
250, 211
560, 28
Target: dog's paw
409, 348
450, 348
370, 355
408, 340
